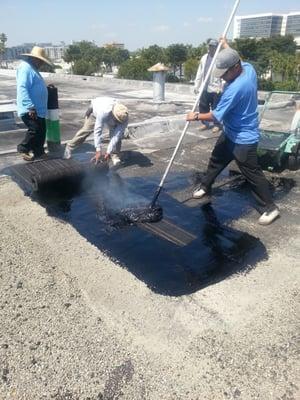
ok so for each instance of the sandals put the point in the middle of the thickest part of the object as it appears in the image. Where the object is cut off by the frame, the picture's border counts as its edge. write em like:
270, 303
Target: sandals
27, 157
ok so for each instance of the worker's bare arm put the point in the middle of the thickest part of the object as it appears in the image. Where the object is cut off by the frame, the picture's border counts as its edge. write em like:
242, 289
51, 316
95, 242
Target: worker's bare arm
195, 116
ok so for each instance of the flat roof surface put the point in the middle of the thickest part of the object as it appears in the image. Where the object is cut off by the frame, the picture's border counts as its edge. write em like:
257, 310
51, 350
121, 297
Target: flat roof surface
91, 310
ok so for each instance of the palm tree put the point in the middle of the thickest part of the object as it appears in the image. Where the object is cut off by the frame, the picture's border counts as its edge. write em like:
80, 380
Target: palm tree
3, 40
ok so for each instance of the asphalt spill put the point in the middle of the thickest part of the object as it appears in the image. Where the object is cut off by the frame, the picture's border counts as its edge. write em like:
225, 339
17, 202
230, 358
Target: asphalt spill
186, 250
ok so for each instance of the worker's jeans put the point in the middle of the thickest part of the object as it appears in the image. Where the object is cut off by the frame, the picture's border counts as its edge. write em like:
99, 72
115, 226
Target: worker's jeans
246, 158
35, 136
84, 132
208, 101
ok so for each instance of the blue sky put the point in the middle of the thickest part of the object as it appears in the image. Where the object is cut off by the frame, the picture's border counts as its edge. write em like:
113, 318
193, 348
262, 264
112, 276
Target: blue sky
136, 23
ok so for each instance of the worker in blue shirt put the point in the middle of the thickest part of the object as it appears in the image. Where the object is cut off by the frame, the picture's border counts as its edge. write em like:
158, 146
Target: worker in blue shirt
237, 110
32, 97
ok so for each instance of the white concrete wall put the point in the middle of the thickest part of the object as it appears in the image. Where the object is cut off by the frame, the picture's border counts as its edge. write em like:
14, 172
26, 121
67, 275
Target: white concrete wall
171, 87
179, 88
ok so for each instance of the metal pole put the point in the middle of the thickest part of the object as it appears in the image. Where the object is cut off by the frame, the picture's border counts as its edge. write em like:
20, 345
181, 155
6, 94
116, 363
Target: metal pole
202, 86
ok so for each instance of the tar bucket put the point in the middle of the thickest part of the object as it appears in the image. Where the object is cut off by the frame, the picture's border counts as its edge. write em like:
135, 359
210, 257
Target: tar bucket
52, 121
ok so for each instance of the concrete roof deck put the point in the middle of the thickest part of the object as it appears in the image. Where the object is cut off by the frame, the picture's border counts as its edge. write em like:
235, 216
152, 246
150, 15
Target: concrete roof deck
78, 325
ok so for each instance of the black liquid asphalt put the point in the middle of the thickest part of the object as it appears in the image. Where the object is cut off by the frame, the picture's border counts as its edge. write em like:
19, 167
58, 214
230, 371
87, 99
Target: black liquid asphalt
197, 249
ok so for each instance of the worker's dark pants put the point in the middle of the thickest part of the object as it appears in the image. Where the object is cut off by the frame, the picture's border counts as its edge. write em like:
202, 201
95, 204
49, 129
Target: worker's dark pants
208, 101
246, 158
35, 136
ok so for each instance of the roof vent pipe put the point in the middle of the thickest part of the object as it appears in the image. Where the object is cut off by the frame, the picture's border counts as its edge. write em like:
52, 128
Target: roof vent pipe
159, 77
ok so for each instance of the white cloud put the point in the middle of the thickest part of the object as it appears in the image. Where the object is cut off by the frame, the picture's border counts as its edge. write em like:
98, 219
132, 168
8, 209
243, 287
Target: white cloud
186, 24
161, 28
205, 19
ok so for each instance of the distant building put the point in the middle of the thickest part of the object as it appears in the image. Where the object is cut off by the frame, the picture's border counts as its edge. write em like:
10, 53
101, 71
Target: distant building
291, 24
257, 26
114, 45
267, 25
55, 53
14, 53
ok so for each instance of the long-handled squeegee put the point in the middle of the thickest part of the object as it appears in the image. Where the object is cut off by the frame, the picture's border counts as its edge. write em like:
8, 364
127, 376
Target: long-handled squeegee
159, 188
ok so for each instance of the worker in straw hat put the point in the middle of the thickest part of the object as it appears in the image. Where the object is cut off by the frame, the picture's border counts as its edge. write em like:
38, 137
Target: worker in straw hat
103, 112
32, 97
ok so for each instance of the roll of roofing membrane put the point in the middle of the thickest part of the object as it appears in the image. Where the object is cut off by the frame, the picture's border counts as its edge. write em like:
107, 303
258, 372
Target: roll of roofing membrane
55, 173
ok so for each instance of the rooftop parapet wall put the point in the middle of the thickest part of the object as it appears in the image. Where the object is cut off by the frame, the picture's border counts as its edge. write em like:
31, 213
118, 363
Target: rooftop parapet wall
179, 88
170, 87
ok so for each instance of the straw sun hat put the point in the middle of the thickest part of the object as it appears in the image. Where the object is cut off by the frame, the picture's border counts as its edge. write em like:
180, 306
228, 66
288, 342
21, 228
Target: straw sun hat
39, 52
120, 112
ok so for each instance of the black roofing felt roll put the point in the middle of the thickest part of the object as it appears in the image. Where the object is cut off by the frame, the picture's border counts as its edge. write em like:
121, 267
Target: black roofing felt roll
54, 171
44, 174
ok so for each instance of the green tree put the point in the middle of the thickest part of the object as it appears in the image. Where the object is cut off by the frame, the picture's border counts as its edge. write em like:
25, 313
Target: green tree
247, 49
268, 54
83, 67
86, 58
79, 50
176, 56
120, 56
265, 84
153, 55
190, 68
284, 66
112, 56
286, 85
72, 53
135, 68
3, 40
281, 44
196, 52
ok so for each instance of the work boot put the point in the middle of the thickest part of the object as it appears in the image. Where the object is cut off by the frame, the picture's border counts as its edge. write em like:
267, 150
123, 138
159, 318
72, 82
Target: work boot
115, 159
27, 156
67, 153
269, 216
199, 193
216, 129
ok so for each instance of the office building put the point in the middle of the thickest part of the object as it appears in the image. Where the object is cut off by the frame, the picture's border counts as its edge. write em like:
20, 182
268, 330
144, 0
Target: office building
291, 24
267, 25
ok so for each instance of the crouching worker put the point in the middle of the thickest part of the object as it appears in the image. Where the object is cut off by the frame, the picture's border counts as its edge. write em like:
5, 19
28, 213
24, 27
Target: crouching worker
237, 109
103, 112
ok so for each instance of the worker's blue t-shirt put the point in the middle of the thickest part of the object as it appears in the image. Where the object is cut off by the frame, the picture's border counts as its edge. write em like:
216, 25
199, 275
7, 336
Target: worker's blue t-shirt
237, 108
31, 90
